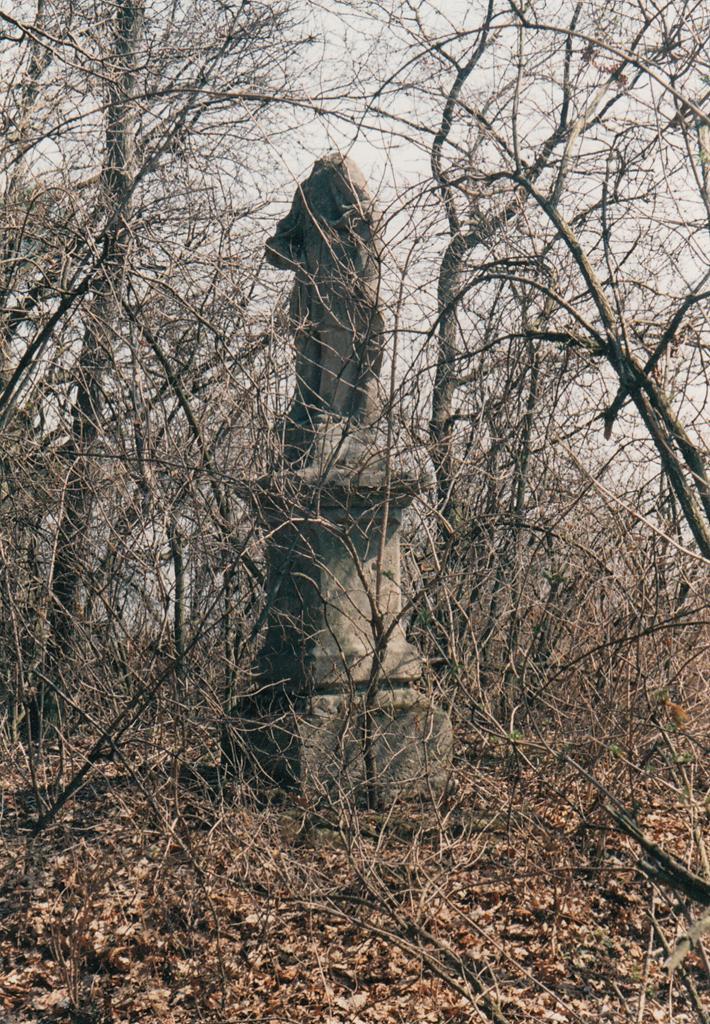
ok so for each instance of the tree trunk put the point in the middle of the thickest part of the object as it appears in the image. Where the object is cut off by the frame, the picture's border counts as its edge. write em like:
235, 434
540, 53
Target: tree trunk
76, 501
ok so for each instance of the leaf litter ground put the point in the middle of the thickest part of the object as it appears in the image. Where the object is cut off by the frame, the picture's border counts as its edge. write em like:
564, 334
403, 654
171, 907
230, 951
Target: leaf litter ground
152, 900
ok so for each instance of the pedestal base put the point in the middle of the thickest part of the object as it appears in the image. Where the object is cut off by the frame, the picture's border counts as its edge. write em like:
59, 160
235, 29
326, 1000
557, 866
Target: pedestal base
331, 749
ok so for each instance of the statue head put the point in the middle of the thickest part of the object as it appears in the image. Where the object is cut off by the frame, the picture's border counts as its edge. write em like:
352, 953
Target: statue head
332, 197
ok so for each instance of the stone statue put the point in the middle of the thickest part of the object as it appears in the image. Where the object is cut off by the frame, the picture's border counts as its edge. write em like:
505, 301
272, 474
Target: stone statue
330, 239
335, 708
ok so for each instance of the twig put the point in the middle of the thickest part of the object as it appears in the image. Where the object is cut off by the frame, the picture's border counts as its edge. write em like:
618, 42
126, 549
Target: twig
647, 962
661, 866
687, 981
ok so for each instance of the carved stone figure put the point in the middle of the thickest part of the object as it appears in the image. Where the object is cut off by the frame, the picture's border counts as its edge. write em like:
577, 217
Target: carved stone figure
330, 239
334, 706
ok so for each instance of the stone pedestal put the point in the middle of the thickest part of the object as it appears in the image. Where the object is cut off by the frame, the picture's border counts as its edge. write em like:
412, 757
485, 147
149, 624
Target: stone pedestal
334, 708
334, 563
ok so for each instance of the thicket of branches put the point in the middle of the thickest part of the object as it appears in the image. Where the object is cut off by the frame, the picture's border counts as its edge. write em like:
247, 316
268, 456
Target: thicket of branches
546, 199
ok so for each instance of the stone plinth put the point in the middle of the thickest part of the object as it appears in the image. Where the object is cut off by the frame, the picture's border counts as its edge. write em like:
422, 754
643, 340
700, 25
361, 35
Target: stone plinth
317, 744
334, 708
334, 558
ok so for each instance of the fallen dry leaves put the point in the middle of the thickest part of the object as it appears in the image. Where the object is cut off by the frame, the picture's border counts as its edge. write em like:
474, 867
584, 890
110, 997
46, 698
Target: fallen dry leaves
154, 903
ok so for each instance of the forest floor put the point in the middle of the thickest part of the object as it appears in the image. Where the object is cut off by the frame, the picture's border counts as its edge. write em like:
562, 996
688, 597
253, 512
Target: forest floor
151, 898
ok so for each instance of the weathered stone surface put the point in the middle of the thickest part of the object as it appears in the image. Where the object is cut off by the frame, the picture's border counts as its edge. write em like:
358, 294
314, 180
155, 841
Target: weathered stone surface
332, 555
330, 239
334, 710
319, 745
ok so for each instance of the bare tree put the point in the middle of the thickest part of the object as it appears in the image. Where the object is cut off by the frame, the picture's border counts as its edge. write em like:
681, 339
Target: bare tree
112, 178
